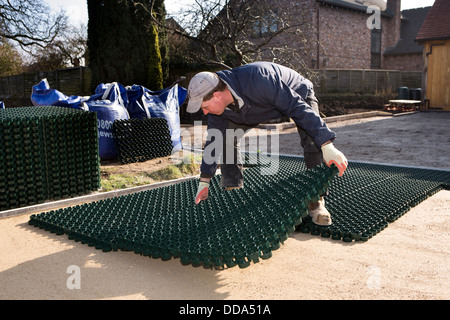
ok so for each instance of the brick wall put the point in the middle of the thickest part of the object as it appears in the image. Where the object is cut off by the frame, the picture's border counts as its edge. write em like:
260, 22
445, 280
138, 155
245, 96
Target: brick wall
405, 62
391, 27
343, 37
302, 37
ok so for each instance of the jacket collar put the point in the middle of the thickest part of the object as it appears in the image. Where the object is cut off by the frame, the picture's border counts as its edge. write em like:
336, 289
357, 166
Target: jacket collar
238, 102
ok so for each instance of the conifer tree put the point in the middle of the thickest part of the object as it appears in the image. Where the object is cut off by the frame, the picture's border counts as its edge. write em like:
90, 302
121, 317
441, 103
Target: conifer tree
155, 69
160, 13
122, 43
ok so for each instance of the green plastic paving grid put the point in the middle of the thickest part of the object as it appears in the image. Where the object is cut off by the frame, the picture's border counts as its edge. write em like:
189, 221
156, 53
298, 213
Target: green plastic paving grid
370, 196
241, 226
229, 228
139, 140
46, 153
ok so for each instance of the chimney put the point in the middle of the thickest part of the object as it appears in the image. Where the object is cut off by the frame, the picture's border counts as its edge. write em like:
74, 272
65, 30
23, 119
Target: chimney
393, 26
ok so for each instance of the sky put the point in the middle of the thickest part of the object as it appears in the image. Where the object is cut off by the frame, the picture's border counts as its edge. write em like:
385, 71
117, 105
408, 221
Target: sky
77, 9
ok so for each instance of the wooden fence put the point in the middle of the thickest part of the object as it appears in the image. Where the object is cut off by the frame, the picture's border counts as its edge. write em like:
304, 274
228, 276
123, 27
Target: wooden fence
70, 81
77, 81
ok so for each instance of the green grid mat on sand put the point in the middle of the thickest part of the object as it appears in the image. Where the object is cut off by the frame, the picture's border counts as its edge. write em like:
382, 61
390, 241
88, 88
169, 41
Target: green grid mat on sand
369, 196
243, 225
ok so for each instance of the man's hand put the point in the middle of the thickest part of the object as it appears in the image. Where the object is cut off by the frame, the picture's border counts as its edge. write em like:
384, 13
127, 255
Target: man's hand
202, 191
333, 155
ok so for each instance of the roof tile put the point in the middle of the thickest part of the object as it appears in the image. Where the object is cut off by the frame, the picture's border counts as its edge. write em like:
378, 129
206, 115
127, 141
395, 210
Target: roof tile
437, 23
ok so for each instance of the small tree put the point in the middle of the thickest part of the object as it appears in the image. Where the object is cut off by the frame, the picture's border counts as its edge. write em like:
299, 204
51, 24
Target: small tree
10, 59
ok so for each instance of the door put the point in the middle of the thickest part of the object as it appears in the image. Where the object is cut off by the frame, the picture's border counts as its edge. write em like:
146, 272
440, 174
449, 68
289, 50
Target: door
438, 76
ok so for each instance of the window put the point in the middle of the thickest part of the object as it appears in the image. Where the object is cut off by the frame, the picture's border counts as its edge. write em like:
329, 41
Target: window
267, 24
375, 49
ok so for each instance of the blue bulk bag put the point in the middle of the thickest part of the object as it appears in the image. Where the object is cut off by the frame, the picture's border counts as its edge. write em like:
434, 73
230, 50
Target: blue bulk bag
42, 95
111, 91
107, 113
137, 102
140, 98
109, 107
2, 105
165, 104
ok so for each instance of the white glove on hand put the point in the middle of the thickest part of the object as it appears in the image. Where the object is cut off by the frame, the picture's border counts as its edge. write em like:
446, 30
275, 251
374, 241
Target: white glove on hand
333, 155
202, 191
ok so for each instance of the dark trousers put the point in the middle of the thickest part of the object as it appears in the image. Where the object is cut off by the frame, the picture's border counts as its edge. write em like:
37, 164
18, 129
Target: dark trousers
231, 164
312, 152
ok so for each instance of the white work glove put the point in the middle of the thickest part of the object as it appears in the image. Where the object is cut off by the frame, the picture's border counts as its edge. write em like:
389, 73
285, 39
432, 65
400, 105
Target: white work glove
202, 191
333, 155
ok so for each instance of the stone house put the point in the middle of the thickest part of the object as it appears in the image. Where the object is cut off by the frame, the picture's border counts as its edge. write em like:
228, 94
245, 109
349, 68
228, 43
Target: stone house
345, 34
355, 34
352, 34
344, 37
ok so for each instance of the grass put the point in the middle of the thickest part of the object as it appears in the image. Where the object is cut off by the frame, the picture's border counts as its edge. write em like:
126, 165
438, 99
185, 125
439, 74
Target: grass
123, 181
189, 166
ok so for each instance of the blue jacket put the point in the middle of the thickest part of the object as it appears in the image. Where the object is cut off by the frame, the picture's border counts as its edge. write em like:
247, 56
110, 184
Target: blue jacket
266, 91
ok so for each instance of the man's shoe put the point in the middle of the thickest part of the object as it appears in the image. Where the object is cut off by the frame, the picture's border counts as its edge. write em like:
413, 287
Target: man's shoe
319, 213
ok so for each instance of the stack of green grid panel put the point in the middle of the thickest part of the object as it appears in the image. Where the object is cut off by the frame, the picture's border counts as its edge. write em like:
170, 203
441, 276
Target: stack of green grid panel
140, 140
46, 153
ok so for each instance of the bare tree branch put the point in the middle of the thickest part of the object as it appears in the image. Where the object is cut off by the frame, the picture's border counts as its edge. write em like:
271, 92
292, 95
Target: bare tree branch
30, 23
228, 33
249, 30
